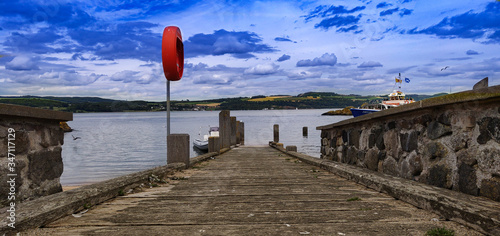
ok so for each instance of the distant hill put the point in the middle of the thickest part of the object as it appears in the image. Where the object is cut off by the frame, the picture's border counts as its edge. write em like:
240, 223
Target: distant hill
309, 100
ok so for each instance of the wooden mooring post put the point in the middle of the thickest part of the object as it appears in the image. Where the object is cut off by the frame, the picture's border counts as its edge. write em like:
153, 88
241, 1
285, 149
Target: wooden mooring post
233, 130
276, 133
224, 129
213, 144
178, 149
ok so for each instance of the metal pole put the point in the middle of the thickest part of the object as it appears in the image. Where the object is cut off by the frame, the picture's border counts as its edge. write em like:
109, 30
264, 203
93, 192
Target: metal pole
168, 107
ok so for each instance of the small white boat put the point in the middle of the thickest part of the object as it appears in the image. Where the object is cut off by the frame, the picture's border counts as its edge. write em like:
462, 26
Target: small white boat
202, 144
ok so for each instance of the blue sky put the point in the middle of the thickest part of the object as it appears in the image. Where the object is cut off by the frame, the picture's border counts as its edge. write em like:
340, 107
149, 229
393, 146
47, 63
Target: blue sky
112, 49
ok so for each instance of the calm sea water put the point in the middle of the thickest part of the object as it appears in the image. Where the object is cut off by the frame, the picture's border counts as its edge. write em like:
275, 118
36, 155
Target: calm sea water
114, 144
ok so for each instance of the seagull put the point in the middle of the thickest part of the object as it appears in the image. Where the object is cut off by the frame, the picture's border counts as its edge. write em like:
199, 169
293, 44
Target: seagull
446, 67
75, 138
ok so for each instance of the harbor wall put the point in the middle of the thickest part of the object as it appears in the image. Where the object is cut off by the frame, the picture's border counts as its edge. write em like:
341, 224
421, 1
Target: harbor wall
451, 141
30, 152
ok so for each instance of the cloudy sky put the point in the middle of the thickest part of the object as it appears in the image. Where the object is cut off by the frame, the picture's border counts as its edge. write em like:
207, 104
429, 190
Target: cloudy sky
112, 49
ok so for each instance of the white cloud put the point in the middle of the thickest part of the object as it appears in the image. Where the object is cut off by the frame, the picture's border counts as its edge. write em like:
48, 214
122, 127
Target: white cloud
301, 75
325, 60
263, 69
22, 63
370, 64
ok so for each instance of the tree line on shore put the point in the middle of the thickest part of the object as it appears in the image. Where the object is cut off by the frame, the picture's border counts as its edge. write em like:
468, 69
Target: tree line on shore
311, 100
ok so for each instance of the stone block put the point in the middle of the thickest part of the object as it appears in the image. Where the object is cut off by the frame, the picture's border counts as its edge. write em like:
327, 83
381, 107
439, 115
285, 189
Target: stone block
405, 124
19, 180
361, 156
467, 180
294, 149
364, 139
460, 141
371, 159
391, 142
3, 147
390, 125
327, 151
490, 189
488, 160
324, 133
463, 156
436, 130
178, 149
439, 176
409, 141
415, 164
465, 120
340, 141
435, 150
382, 155
3, 131
444, 118
352, 154
22, 141
354, 137
324, 142
45, 165
344, 136
376, 138
423, 119
333, 142
390, 166
489, 128
405, 170
333, 134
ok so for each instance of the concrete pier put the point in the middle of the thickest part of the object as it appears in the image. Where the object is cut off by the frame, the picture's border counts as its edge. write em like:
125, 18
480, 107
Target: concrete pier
233, 130
276, 133
241, 130
178, 148
224, 129
257, 191
238, 135
213, 144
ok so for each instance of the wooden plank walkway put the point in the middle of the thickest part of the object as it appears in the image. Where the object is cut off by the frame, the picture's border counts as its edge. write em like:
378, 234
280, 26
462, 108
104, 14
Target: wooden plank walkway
253, 191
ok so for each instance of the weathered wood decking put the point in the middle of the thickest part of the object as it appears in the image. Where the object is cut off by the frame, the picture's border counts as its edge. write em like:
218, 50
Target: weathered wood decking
253, 191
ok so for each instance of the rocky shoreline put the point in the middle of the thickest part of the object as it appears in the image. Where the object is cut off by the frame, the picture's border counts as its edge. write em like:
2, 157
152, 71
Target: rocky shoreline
343, 112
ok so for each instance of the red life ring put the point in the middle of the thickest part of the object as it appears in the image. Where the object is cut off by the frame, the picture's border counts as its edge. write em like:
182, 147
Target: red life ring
172, 53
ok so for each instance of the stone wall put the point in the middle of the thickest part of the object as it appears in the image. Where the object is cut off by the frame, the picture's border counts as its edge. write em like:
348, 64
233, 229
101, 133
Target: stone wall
451, 142
30, 152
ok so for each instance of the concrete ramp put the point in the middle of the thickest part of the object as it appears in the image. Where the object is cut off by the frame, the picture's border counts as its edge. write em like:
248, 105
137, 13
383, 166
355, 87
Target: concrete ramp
253, 191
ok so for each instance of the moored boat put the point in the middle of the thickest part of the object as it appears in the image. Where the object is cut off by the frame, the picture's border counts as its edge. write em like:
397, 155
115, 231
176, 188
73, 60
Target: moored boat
367, 109
396, 98
202, 144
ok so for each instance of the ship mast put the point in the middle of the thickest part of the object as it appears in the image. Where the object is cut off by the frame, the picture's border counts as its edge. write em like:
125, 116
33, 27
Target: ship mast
400, 81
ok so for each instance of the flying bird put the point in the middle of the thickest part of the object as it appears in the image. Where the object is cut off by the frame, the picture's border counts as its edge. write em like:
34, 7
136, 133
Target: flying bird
444, 68
75, 138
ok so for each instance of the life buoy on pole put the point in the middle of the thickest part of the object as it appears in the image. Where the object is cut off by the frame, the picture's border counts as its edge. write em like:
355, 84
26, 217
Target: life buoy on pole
172, 53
